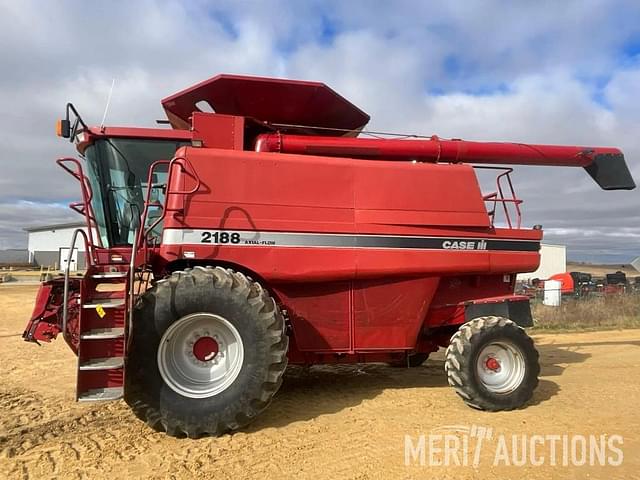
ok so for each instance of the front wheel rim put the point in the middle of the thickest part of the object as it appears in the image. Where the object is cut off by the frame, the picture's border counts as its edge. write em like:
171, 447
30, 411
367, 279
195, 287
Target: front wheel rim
200, 355
501, 367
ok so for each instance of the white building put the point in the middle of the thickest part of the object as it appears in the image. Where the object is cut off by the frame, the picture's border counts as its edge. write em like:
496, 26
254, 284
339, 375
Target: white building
48, 246
553, 259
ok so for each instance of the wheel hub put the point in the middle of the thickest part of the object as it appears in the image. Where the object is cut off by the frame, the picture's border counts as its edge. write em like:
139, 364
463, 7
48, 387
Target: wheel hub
200, 355
501, 367
492, 364
205, 349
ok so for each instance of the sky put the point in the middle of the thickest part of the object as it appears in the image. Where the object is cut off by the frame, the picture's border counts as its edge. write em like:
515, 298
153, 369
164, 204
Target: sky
540, 72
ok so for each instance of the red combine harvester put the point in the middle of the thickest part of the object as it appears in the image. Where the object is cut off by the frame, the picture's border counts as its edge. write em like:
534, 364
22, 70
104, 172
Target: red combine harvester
267, 233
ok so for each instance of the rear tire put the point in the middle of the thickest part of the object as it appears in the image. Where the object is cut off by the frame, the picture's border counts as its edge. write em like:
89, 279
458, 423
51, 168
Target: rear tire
184, 389
492, 364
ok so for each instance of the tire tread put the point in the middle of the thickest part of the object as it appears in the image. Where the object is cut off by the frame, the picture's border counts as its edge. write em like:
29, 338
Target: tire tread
252, 293
459, 366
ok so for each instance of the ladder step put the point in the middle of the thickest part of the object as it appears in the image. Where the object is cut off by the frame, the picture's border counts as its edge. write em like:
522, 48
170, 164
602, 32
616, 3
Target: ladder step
102, 363
105, 302
102, 334
101, 394
109, 275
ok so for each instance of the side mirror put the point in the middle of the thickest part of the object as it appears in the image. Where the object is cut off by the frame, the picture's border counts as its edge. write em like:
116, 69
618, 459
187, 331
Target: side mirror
63, 128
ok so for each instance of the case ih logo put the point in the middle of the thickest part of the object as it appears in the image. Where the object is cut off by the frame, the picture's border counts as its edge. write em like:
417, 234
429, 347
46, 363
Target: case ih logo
464, 245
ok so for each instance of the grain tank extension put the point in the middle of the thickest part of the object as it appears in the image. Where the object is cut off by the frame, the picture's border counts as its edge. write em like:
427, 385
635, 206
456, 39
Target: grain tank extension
263, 226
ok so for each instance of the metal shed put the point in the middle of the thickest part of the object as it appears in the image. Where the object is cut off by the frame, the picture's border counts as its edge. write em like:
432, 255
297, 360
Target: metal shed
48, 246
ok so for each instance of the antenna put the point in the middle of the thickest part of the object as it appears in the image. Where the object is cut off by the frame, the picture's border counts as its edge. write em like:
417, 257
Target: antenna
106, 108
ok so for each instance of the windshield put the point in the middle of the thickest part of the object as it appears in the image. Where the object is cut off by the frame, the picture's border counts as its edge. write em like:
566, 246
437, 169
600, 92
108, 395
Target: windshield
118, 169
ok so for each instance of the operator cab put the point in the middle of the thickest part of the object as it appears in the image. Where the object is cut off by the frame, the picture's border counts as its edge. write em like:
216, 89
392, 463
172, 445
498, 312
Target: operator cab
117, 163
117, 169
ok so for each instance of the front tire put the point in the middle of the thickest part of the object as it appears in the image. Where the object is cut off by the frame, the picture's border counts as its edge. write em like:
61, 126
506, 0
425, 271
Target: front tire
492, 364
207, 355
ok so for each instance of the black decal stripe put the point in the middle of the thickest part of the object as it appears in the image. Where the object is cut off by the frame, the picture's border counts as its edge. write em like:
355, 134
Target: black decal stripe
516, 245
290, 239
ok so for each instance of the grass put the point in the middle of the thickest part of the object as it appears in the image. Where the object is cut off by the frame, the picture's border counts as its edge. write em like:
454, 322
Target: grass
591, 313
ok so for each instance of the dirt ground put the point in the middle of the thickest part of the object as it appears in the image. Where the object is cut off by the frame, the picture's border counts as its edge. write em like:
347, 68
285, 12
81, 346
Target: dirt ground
326, 422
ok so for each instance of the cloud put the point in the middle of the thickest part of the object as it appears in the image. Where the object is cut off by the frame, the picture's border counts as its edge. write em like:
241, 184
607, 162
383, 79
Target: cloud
481, 70
622, 93
18, 214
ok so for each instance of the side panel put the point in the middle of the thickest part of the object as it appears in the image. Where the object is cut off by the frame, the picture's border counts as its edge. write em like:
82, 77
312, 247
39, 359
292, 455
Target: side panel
417, 194
319, 314
386, 314
389, 314
354, 249
254, 192
292, 192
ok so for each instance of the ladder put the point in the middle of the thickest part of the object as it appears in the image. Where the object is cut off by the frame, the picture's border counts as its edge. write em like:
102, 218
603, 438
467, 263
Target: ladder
101, 309
102, 326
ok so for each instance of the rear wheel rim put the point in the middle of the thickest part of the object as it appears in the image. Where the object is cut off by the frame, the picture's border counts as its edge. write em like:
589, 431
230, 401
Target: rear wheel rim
501, 367
200, 355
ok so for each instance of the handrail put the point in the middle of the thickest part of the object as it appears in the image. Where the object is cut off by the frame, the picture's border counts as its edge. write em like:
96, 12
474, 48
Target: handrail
516, 202
140, 233
65, 308
176, 160
143, 232
87, 195
132, 278
499, 196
